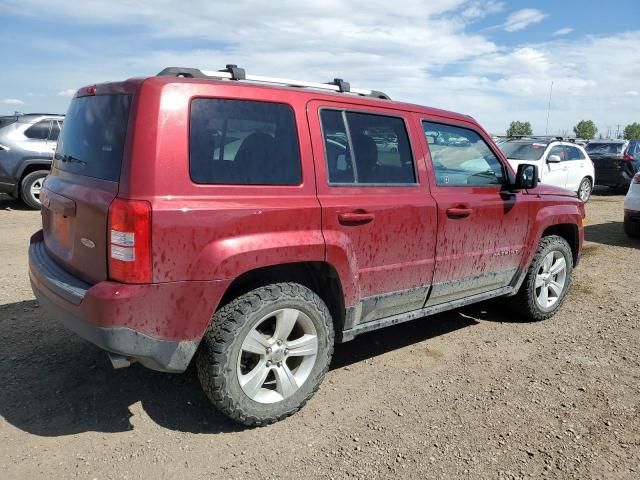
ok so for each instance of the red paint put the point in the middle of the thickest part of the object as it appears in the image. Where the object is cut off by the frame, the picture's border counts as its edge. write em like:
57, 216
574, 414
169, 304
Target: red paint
378, 239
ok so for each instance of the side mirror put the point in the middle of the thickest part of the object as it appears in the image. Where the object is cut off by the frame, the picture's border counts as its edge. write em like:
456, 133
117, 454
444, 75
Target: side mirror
553, 159
527, 176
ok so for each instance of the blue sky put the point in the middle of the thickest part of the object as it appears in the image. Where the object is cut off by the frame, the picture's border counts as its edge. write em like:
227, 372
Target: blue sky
492, 59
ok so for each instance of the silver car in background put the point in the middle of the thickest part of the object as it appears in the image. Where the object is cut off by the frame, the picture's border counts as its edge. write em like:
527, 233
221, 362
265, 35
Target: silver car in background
27, 145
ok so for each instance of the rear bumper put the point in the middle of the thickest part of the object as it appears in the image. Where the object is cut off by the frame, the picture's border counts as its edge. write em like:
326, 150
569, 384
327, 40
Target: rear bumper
612, 177
158, 325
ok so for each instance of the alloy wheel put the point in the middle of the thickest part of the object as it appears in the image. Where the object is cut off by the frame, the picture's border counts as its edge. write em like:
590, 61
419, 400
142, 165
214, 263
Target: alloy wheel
551, 279
277, 355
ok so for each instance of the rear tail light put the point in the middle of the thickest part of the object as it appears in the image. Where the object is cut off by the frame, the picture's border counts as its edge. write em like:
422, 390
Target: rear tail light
130, 241
627, 157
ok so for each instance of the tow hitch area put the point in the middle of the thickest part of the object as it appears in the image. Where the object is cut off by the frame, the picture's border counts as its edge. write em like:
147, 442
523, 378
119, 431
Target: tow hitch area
120, 361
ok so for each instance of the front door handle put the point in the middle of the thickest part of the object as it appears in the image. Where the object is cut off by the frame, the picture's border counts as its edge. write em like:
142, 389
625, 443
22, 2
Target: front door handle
459, 212
355, 218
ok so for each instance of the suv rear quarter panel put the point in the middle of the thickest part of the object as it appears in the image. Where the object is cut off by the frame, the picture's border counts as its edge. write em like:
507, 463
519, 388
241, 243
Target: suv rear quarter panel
215, 232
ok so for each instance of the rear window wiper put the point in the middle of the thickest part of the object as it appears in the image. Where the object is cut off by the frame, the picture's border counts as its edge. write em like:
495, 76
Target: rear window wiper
70, 159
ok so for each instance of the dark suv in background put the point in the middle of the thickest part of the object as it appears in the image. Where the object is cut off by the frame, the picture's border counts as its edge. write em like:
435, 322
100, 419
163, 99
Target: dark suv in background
615, 161
27, 144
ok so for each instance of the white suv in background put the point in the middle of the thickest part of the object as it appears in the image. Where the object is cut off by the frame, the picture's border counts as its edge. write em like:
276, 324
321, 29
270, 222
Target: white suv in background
632, 208
560, 163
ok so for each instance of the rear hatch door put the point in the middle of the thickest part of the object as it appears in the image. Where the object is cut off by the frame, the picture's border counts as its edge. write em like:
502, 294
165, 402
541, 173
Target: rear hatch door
84, 181
606, 156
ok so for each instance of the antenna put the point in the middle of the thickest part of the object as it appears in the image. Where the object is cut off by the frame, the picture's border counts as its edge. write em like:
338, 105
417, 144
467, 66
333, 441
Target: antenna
546, 129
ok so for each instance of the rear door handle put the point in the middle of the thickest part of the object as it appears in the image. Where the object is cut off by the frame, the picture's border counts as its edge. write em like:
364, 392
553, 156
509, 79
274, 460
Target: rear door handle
355, 218
459, 212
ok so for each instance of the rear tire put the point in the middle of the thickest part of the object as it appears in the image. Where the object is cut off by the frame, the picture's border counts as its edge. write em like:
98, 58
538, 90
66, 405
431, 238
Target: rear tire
30, 187
551, 270
246, 361
585, 189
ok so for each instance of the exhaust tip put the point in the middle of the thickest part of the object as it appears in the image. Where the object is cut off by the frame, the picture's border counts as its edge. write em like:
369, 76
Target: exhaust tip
120, 361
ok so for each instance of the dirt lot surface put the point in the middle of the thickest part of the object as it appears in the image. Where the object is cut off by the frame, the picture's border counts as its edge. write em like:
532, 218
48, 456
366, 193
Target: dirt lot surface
468, 394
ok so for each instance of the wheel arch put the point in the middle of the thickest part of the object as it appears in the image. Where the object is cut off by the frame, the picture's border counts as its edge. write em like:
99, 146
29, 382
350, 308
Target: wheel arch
320, 277
568, 231
32, 165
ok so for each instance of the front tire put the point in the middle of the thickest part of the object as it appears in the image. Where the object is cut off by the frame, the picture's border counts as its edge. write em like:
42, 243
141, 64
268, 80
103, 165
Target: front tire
585, 189
30, 188
548, 280
266, 353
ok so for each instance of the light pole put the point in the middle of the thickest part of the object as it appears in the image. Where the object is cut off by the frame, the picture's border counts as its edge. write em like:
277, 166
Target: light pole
546, 129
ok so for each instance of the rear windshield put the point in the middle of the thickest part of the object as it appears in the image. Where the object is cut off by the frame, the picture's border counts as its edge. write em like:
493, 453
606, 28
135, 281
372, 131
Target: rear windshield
523, 150
605, 148
4, 121
92, 140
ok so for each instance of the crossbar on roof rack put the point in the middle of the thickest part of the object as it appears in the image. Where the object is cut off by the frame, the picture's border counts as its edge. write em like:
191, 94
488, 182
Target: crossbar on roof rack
233, 72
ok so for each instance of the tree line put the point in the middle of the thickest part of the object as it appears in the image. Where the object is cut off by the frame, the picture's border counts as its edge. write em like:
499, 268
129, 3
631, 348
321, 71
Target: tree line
583, 129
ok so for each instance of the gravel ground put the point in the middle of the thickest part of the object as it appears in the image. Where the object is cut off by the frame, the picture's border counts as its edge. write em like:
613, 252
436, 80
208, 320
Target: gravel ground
467, 394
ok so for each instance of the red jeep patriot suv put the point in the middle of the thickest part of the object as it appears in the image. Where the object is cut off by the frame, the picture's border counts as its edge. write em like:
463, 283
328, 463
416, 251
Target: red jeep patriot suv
248, 223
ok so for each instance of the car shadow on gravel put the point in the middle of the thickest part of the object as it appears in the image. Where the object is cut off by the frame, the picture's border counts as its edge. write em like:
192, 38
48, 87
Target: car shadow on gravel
56, 384
610, 233
8, 203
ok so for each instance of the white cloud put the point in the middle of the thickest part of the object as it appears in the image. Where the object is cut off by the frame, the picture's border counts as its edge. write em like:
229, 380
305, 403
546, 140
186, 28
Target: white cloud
12, 101
69, 92
425, 52
631, 93
521, 19
562, 31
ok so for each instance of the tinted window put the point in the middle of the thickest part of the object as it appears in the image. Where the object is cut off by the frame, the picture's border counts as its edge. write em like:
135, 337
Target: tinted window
336, 146
573, 153
461, 157
374, 150
92, 140
243, 143
55, 130
4, 121
523, 150
559, 151
38, 131
605, 148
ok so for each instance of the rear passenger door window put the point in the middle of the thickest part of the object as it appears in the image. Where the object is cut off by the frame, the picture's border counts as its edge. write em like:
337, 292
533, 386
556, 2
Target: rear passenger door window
239, 142
461, 158
366, 149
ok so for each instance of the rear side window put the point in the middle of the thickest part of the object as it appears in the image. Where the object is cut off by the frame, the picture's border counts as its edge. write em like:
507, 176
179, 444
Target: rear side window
365, 148
460, 157
238, 142
92, 140
39, 130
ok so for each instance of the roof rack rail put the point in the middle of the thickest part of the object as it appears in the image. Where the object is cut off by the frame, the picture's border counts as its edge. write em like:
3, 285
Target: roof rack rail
233, 72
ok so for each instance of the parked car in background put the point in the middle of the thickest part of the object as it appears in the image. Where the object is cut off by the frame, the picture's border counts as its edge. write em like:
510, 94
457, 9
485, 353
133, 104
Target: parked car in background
27, 144
615, 161
560, 163
160, 245
632, 208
